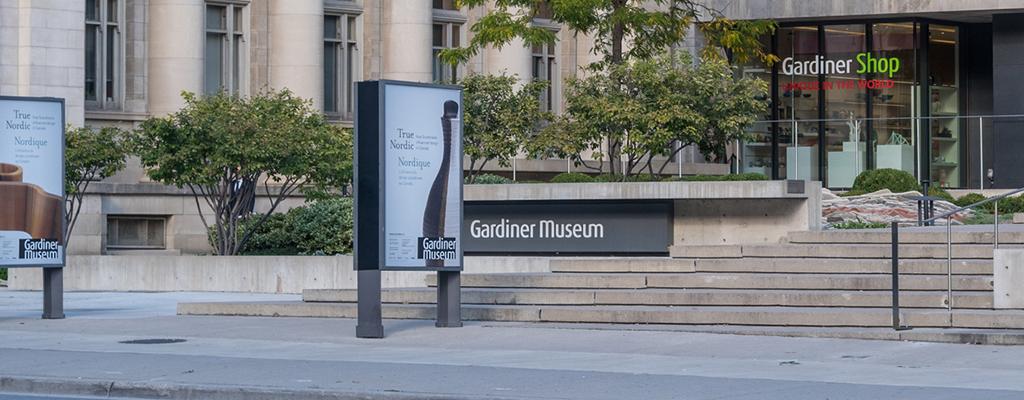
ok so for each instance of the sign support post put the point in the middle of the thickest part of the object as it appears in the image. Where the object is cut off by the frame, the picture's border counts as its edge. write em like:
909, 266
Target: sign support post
370, 325
53, 293
408, 193
449, 299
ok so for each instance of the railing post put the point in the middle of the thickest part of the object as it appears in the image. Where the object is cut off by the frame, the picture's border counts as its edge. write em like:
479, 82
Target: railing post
995, 227
895, 276
949, 263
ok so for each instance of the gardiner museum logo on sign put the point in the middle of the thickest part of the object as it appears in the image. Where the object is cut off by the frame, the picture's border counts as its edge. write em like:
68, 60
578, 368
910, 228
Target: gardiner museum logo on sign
437, 248
867, 64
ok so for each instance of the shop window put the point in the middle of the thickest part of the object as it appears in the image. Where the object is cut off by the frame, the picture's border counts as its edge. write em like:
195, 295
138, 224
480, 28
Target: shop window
846, 102
136, 232
894, 109
798, 103
225, 49
944, 104
446, 35
104, 56
755, 155
341, 63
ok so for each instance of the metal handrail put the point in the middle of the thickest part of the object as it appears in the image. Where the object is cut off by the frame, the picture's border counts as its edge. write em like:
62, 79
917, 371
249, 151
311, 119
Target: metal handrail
949, 251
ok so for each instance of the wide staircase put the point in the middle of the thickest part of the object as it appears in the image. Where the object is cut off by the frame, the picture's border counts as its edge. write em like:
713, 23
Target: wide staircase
814, 279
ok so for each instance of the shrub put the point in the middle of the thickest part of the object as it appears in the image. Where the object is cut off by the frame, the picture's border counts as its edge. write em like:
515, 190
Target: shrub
895, 180
608, 178
489, 179
3, 274
643, 178
320, 228
859, 225
572, 177
940, 193
748, 176
969, 199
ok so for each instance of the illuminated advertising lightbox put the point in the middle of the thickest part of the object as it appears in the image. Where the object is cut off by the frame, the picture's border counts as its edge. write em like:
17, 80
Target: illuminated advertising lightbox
418, 173
31, 182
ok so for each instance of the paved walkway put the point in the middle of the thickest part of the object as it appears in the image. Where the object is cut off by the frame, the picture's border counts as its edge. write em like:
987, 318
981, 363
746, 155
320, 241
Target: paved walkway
239, 357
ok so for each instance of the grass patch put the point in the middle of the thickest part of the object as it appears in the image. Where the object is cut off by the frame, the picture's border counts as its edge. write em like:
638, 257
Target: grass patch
983, 217
859, 225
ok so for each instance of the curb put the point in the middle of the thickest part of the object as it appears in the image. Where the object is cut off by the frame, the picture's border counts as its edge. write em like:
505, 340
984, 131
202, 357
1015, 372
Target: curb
177, 391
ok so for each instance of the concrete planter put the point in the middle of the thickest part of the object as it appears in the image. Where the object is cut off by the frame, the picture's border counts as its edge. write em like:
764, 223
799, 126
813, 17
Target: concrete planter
257, 274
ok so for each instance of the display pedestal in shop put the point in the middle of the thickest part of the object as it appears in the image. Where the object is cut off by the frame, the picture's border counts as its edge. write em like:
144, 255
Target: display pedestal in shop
895, 156
844, 166
802, 163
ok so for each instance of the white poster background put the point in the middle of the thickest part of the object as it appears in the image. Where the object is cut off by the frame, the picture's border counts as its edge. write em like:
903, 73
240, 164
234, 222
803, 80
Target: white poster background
413, 117
31, 136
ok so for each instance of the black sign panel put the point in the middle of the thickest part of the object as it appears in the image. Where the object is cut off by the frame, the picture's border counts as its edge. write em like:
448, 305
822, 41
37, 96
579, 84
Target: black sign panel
567, 227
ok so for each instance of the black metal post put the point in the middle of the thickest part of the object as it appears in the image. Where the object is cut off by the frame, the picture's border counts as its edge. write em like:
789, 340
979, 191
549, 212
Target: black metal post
53, 293
368, 292
449, 299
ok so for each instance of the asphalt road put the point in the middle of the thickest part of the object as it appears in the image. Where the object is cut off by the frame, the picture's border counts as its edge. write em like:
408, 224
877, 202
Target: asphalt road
320, 358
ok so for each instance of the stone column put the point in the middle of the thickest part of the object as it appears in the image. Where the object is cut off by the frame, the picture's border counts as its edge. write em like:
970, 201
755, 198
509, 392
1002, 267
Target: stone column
42, 52
296, 48
176, 40
407, 41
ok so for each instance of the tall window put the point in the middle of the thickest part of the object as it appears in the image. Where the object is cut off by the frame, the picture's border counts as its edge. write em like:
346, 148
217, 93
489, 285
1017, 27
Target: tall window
446, 36
341, 58
225, 41
544, 68
103, 53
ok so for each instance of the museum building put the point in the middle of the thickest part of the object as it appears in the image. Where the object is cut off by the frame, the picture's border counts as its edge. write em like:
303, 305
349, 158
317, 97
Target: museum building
928, 87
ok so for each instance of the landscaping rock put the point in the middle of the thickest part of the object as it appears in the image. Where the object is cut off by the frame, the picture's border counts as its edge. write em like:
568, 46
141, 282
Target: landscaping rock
882, 206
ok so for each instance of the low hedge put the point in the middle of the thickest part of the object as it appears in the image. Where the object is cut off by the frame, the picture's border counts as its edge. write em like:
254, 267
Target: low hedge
320, 228
489, 179
572, 177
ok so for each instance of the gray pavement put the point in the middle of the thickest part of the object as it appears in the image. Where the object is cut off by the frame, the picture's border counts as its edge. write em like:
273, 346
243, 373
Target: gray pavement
240, 357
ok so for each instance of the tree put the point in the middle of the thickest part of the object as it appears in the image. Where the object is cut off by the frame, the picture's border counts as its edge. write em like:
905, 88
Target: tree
223, 148
649, 27
498, 118
89, 156
652, 108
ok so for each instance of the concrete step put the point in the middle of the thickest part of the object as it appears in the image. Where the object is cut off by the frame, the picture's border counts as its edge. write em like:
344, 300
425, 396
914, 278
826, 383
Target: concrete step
622, 264
907, 236
816, 281
668, 297
766, 265
757, 316
842, 266
720, 281
828, 251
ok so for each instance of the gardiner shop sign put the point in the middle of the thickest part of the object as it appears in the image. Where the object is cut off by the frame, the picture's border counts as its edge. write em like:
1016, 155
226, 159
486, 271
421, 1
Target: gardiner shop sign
862, 64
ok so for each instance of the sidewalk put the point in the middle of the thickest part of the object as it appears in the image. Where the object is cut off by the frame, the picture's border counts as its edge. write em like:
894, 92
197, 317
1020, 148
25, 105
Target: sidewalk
286, 358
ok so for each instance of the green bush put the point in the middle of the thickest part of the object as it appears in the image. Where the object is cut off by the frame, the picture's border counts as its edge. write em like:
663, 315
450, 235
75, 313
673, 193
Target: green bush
320, 228
859, 225
887, 178
489, 179
643, 178
969, 199
572, 177
748, 176
608, 178
3, 274
940, 193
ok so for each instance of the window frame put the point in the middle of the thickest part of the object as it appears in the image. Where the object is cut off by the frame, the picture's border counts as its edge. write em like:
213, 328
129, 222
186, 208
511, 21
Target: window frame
550, 101
347, 62
235, 52
103, 25
451, 21
113, 229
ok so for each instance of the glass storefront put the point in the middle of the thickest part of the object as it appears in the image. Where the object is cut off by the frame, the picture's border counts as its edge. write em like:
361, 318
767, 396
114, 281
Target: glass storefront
848, 97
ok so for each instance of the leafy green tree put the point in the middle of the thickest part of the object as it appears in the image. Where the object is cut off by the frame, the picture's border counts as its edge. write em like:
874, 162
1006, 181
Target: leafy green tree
651, 108
649, 27
498, 118
225, 149
89, 156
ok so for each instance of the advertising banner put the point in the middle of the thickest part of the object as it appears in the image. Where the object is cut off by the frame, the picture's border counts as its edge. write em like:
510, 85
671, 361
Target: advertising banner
31, 182
422, 176
568, 228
